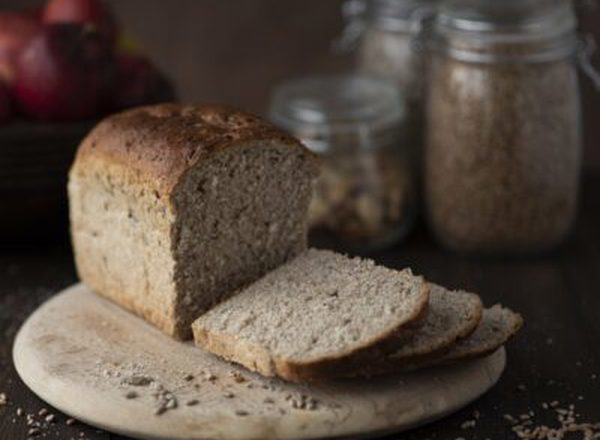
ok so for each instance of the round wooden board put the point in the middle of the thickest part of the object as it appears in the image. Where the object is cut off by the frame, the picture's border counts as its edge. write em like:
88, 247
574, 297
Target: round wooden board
86, 356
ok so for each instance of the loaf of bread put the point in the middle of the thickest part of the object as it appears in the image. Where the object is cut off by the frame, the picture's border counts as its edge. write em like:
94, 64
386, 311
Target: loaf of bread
174, 207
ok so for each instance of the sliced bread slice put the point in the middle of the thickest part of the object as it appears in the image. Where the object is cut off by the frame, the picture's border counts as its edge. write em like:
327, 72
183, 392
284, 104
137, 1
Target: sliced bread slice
311, 315
452, 315
498, 324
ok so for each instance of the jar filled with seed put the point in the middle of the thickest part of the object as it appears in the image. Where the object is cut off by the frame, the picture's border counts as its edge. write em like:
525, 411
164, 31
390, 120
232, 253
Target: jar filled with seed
387, 36
364, 198
503, 154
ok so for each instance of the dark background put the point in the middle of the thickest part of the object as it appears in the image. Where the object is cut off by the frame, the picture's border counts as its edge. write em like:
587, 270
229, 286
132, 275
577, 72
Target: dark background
233, 51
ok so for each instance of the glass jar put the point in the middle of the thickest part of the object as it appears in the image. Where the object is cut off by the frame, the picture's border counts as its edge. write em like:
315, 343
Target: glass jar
364, 198
387, 34
503, 154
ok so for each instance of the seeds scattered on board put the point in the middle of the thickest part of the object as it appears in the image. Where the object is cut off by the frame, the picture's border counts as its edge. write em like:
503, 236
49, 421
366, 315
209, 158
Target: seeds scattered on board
269, 386
241, 413
131, 395
210, 377
192, 402
302, 401
237, 376
3, 399
138, 381
165, 400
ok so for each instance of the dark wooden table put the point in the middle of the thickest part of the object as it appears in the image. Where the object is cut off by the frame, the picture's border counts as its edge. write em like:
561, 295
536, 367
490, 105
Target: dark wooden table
555, 358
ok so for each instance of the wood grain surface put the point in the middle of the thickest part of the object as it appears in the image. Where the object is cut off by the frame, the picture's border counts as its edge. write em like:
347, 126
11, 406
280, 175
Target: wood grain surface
554, 357
103, 365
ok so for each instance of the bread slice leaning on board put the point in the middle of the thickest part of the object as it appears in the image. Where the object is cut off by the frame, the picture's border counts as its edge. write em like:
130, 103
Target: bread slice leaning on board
498, 324
175, 207
451, 316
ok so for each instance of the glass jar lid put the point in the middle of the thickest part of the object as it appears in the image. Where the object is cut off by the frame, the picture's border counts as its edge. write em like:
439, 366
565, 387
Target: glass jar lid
546, 26
402, 15
359, 108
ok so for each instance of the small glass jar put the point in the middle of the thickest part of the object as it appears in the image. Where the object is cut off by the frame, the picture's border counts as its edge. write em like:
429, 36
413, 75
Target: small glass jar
388, 33
365, 196
503, 154
388, 43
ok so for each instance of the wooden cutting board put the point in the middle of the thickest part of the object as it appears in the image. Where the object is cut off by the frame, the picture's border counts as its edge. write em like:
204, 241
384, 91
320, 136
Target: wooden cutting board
104, 366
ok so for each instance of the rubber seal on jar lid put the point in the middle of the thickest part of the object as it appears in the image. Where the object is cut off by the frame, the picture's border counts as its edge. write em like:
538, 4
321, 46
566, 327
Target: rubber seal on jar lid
322, 107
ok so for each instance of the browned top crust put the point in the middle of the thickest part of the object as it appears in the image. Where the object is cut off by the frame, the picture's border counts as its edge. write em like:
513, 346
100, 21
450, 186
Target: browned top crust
161, 142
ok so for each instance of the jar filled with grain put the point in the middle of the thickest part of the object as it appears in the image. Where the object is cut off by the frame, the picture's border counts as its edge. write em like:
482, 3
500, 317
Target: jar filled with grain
387, 35
503, 153
365, 197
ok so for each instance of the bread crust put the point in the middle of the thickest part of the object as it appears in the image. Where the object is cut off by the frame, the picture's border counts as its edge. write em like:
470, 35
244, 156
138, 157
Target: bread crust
158, 144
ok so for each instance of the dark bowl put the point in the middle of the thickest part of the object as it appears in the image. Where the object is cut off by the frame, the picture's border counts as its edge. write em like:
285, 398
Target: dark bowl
34, 162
